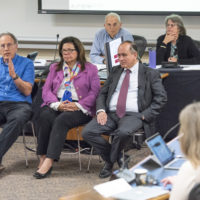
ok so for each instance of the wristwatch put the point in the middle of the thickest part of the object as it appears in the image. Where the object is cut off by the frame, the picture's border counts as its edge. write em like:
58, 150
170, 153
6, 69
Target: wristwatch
16, 77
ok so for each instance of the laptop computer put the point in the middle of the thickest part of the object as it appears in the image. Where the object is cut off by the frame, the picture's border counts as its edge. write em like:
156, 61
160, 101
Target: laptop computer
162, 154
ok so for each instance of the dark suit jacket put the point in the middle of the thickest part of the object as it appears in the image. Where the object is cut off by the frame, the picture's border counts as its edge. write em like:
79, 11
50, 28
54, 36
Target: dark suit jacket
188, 53
151, 94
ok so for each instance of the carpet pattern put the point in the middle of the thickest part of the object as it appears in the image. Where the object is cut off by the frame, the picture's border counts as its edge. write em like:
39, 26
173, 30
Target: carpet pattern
17, 182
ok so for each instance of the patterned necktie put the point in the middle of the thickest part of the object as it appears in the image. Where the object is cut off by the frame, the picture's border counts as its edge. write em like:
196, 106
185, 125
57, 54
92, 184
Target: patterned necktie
121, 103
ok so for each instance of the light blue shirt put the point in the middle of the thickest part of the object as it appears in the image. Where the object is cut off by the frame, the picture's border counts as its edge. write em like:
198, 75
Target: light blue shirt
100, 39
24, 68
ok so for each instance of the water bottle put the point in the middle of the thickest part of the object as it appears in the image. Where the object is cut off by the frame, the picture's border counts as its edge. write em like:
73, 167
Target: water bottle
152, 58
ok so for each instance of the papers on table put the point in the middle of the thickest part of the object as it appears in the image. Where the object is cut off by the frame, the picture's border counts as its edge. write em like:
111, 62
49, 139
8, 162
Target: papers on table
110, 188
183, 67
120, 189
141, 193
191, 67
100, 66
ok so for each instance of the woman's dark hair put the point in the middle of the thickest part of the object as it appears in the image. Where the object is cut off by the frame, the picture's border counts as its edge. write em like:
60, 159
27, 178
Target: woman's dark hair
79, 48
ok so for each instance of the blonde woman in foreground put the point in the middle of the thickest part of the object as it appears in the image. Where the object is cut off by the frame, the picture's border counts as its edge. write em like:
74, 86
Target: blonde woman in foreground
189, 173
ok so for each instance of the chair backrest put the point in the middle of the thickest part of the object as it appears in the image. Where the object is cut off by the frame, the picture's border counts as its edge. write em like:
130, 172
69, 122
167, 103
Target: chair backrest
141, 43
197, 43
32, 55
195, 192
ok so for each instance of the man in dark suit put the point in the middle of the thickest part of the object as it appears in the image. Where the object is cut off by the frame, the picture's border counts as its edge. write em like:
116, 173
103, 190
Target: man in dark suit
143, 101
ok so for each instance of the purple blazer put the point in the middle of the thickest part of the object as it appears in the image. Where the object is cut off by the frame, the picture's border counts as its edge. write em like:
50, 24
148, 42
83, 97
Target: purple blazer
86, 83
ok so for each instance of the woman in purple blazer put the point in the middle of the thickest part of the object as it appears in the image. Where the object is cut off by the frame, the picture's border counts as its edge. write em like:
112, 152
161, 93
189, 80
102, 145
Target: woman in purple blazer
69, 96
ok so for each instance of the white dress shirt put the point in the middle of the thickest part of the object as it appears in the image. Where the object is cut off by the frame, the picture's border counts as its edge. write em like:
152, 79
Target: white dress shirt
132, 96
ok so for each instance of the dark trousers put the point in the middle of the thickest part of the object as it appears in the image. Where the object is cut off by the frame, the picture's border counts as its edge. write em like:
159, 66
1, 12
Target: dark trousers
13, 116
120, 130
53, 128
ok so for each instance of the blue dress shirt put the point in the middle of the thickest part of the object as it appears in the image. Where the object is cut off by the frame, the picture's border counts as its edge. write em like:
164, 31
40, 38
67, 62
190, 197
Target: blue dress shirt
24, 68
100, 39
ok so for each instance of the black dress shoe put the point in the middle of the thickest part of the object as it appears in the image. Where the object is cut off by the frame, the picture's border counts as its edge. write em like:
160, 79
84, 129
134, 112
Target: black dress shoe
106, 170
38, 175
125, 162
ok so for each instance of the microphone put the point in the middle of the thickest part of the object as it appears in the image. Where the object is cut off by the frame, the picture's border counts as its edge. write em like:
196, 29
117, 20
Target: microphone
57, 37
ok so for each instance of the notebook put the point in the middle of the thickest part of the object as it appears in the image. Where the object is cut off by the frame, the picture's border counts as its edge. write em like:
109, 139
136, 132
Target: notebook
163, 155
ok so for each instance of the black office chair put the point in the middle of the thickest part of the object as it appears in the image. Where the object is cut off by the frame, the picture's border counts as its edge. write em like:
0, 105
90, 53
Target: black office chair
31, 123
197, 43
32, 56
141, 43
195, 192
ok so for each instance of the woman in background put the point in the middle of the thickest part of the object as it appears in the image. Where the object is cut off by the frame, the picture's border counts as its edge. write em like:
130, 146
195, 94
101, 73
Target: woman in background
69, 96
189, 173
175, 45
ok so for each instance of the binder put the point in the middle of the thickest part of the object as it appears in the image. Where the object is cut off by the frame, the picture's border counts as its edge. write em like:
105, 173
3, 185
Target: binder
111, 53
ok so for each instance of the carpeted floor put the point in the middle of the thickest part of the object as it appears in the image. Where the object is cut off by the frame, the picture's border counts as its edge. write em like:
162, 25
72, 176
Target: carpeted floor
17, 182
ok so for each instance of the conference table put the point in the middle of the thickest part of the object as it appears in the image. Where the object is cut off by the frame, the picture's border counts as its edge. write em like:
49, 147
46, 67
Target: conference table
154, 169
182, 87
157, 171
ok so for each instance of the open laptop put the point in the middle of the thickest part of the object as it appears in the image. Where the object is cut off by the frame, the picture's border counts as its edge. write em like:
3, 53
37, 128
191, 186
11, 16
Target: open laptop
162, 154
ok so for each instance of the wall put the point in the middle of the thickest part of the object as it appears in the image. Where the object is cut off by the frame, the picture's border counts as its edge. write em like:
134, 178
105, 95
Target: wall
21, 18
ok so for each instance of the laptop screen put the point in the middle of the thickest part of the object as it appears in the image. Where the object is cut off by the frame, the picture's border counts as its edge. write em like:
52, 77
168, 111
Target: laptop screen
159, 148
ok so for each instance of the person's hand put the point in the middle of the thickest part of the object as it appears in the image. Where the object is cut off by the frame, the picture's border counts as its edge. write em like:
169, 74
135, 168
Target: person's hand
172, 59
11, 68
168, 180
61, 107
102, 118
71, 106
67, 106
169, 37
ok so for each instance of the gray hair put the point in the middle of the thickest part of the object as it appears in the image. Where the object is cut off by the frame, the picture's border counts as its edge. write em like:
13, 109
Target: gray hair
112, 14
11, 35
177, 19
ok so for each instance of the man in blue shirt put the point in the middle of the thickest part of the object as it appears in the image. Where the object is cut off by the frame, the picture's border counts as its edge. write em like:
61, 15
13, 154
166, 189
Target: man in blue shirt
16, 82
111, 32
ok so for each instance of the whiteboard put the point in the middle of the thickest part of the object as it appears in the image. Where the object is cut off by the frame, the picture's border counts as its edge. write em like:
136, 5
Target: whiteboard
125, 5
21, 18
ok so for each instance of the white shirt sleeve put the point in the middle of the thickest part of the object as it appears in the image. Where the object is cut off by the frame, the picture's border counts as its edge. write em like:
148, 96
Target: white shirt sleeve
55, 105
81, 108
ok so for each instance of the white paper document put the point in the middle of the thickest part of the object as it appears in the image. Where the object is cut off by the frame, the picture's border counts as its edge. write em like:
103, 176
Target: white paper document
141, 193
120, 189
110, 188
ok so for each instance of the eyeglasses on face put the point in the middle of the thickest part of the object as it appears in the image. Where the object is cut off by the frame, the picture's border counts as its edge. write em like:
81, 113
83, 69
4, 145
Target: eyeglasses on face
171, 25
3, 46
68, 50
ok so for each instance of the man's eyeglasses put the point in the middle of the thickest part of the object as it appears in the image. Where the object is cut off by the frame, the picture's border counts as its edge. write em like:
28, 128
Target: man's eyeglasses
68, 50
9, 45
